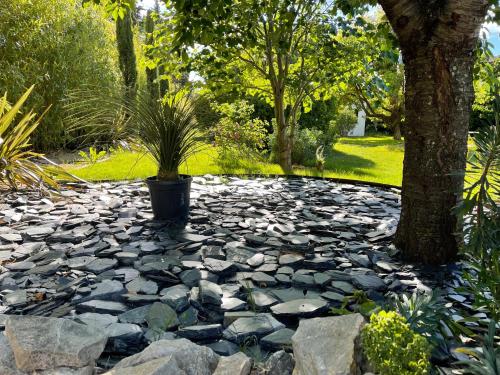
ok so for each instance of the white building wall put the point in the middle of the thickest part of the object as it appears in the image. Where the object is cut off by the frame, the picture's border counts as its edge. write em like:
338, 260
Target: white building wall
359, 129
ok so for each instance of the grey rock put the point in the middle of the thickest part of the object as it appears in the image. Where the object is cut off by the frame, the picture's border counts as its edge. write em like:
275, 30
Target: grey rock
220, 267
210, 293
256, 260
108, 290
201, 332
328, 345
224, 347
280, 363
236, 364
191, 278
189, 358
278, 340
263, 279
137, 315
102, 307
40, 343
161, 317
369, 282
176, 297
142, 286
300, 308
100, 265
258, 326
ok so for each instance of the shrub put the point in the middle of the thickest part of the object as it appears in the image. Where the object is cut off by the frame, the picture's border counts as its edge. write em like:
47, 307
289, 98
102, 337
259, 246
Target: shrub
305, 144
392, 348
17, 165
59, 46
237, 135
344, 122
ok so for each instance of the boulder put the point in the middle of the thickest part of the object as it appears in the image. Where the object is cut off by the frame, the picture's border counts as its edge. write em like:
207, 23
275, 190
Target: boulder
40, 343
236, 364
179, 357
280, 363
328, 346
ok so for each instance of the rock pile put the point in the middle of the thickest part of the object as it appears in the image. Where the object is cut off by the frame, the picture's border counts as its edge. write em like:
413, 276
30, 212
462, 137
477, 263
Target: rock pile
256, 257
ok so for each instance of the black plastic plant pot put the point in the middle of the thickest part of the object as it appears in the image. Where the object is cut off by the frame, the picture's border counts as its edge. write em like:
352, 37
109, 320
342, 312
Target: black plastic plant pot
170, 199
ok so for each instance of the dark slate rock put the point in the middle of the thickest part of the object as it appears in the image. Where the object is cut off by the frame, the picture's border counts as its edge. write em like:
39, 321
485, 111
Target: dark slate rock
161, 317
220, 267
102, 307
279, 340
258, 326
176, 297
137, 315
210, 293
100, 265
190, 278
300, 308
123, 338
142, 286
107, 290
201, 332
369, 282
224, 347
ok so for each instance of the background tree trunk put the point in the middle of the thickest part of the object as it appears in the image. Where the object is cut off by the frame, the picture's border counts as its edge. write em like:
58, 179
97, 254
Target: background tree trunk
126, 53
396, 131
284, 141
437, 41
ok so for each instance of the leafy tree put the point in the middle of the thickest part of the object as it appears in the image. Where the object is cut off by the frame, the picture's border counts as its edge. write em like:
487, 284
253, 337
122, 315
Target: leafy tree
122, 12
58, 46
284, 51
126, 53
377, 86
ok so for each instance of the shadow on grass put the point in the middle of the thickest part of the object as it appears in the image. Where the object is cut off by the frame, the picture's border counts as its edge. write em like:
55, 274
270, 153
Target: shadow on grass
372, 142
342, 162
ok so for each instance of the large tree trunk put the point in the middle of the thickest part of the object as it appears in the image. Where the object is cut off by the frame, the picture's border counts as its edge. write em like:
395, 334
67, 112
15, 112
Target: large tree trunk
437, 42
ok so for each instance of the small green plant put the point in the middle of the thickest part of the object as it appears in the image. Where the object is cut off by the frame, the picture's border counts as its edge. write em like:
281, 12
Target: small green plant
18, 163
486, 360
428, 315
92, 156
392, 348
359, 302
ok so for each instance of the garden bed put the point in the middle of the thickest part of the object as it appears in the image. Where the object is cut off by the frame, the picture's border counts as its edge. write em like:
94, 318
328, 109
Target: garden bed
285, 248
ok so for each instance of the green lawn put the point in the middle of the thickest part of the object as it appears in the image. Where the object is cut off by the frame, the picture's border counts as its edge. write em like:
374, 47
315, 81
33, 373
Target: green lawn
375, 159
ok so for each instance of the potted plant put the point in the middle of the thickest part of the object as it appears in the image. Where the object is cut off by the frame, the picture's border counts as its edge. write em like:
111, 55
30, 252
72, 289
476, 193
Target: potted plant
166, 128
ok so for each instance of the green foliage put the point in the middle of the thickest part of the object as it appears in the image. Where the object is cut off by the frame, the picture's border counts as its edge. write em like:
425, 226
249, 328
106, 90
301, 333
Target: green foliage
59, 46
487, 359
236, 134
17, 165
482, 209
92, 156
166, 128
345, 120
428, 315
126, 53
392, 348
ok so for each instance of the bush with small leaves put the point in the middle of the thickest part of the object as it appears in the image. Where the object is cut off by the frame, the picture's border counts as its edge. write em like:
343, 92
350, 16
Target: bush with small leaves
392, 348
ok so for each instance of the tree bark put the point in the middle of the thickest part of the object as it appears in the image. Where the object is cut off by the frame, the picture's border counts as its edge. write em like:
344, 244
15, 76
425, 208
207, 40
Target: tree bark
396, 131
283, 137
437, 42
